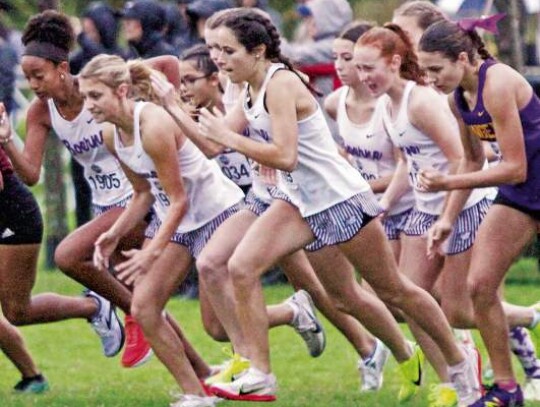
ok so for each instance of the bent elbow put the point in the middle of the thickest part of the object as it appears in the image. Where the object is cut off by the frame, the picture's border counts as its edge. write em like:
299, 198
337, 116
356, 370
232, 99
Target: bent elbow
520, 176
289, 165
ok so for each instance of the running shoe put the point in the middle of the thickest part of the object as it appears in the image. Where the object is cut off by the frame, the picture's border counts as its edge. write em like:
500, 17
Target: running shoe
531, 390
32, 385
442, 395
137, 350
371, 368
252, 385
192, 400
465, 376
231, 369
535, 330
411, 374
107, 325
306, 324
497, 397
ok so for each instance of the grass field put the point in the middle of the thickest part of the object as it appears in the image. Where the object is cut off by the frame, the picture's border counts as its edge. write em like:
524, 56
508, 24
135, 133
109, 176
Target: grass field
69, 355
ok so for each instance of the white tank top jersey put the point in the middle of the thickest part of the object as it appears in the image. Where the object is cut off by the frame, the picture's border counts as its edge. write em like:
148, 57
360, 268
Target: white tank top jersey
83, 137
234, 165
370, 147
322, 178
421, 152
208, 191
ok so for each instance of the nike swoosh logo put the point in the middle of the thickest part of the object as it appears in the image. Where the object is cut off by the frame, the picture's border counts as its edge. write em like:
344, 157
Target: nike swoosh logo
243, 392
480, 114
90, 121
401, 133
369, 135
418, 382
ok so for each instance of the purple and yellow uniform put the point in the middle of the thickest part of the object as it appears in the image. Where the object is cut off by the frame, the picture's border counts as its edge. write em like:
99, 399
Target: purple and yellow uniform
524, 196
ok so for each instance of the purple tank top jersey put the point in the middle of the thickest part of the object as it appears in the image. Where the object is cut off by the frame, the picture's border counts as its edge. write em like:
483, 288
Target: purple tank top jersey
5, 164
480, 124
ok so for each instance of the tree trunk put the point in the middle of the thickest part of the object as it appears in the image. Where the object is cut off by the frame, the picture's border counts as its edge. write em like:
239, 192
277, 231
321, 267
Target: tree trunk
55, 199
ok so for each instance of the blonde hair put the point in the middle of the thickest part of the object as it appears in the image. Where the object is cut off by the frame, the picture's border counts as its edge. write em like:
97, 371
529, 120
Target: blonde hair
113, 71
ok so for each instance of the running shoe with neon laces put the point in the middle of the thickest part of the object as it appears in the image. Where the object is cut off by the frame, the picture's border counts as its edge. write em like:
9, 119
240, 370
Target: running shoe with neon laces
107, 325
531, 389
231, 369
371, 368
442, 395
411, 374
497, 397
137, 350
32, 385
306, 323
192, 400
252, 385
465, 376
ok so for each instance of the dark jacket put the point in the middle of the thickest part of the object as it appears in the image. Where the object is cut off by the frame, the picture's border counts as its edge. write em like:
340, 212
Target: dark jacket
106, 20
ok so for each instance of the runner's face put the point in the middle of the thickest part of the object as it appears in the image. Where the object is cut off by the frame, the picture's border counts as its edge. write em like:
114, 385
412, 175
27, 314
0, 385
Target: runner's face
43, 76
99, 99
442, 73
211, 39
234, 59
342, 53
195, 86
374, 70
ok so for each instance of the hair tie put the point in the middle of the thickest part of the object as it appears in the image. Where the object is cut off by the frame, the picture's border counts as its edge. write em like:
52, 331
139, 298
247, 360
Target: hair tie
487, 23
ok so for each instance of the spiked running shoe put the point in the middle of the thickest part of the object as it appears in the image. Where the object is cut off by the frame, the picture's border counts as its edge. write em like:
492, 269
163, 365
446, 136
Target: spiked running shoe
137, 350
107, 325
411, 374
252, 385
442, 395
306, 323
497, 397
371, 368
234, 367
32, 385
192, 400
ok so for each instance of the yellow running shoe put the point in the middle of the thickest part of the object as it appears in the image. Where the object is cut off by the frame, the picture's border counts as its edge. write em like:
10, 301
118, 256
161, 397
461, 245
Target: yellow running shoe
442, 395
411, 374
232, 368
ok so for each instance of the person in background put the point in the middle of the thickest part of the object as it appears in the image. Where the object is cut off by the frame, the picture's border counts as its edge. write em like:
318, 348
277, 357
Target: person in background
143, 25
324, 20
275, 15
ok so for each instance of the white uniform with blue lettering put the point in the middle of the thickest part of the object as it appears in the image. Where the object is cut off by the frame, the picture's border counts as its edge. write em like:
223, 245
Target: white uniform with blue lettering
322, 177
208, 192
370, 147
83, 137
421, 152
233, 164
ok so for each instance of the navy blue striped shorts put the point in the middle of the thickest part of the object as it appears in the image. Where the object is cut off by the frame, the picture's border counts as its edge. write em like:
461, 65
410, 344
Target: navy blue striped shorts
465, 227
194, 240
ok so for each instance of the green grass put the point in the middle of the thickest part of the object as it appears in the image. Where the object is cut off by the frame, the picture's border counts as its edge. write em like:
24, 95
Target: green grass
69, 354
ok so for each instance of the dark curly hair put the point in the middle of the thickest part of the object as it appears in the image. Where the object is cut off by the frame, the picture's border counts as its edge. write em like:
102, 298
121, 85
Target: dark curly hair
50, 27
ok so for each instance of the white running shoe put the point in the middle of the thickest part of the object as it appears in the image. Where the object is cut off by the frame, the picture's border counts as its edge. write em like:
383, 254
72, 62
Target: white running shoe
192, 400
306, 323
252, 385
531, 389
371, 369
107, 325
465, 376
